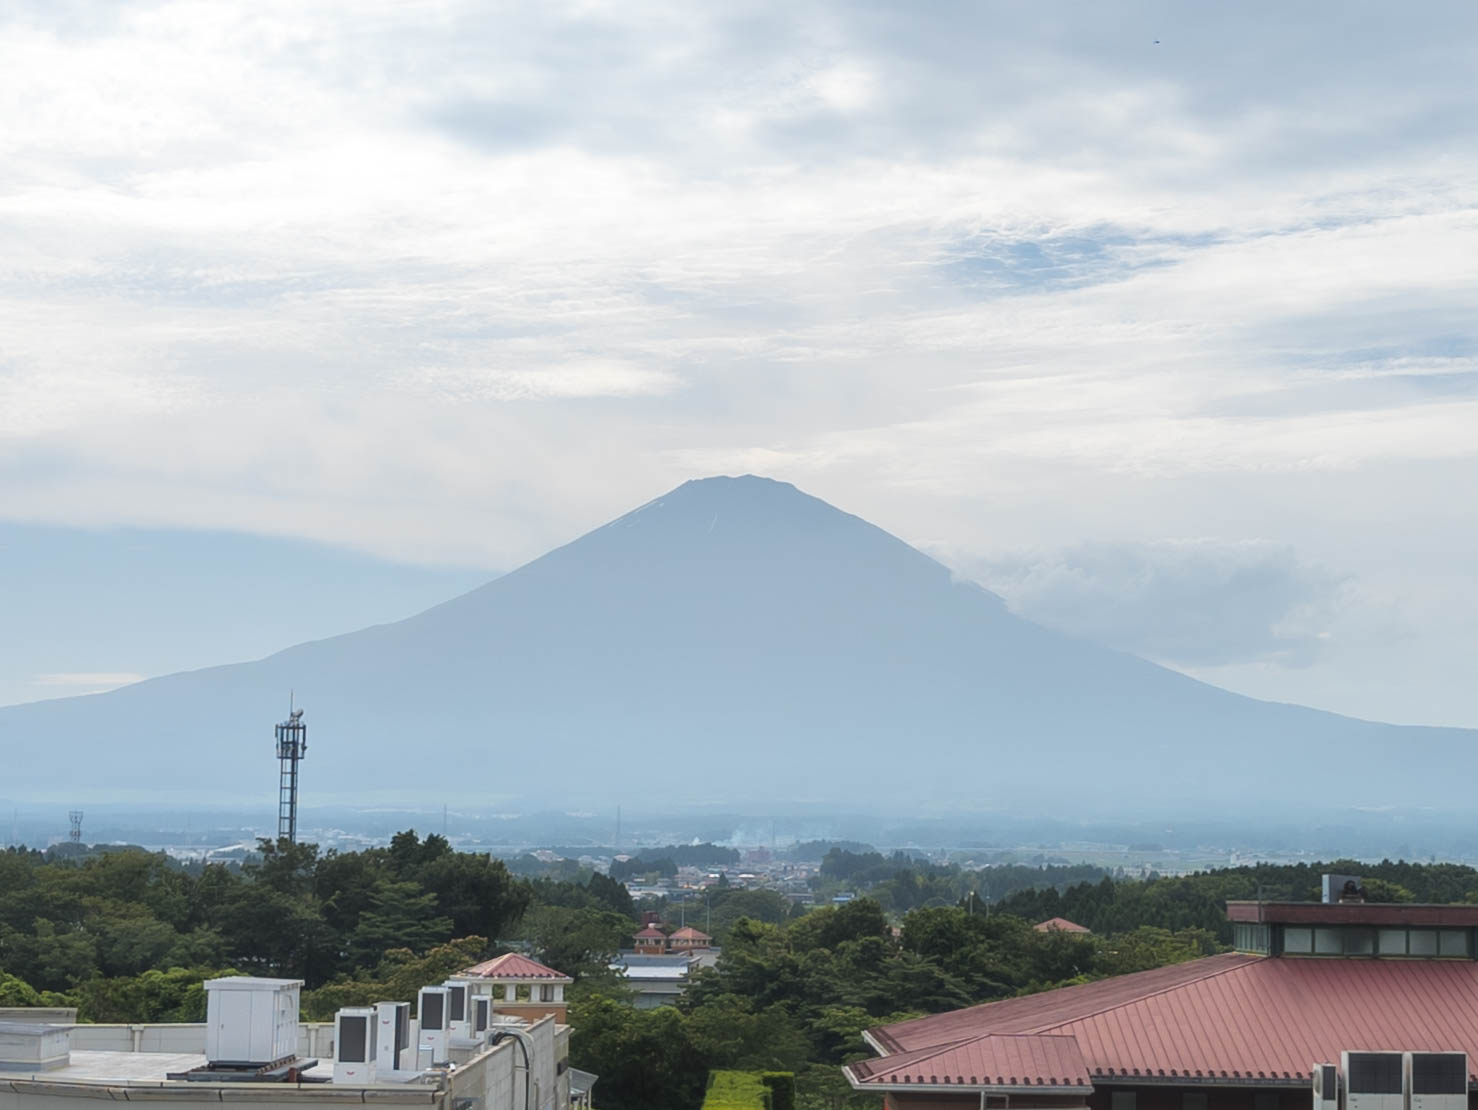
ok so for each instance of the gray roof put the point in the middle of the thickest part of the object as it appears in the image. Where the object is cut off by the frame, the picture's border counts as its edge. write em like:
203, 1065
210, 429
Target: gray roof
581, 1081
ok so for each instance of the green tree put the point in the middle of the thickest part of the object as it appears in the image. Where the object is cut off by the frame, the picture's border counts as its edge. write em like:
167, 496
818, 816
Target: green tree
645, 1058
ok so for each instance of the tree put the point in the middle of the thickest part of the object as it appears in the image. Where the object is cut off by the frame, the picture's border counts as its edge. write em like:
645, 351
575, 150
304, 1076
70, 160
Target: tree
645, 1058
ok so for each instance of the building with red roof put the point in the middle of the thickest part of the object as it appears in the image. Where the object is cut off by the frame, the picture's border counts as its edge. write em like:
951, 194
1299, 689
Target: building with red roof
1243, 1030
1059, 925
689, 939
651, 941
520, 986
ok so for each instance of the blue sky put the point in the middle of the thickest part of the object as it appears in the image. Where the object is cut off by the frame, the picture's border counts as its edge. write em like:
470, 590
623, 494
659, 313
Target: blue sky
1158, 319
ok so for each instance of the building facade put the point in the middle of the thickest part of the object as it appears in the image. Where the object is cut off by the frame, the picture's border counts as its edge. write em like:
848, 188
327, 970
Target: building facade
1244, 1030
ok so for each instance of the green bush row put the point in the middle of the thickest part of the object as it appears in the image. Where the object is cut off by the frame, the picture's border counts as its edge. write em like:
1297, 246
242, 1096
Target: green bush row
747, 1090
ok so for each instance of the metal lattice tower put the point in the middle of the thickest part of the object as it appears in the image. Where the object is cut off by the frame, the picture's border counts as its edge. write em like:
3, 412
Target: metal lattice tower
292, 746
75, 835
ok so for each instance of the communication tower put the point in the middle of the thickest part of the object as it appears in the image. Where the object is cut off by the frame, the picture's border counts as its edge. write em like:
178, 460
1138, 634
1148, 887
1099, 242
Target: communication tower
75, 836
292, 746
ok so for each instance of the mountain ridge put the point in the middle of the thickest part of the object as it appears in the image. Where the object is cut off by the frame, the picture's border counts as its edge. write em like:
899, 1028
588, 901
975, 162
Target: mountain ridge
732, 635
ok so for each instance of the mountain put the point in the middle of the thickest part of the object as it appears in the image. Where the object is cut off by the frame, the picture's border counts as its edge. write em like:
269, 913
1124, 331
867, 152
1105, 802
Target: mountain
732, 641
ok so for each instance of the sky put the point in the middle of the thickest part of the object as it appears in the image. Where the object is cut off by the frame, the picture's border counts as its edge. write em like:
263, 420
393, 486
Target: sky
1157, 319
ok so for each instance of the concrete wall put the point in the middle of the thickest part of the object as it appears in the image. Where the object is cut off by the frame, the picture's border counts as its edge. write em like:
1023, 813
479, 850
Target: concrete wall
314, 1038
498, 1077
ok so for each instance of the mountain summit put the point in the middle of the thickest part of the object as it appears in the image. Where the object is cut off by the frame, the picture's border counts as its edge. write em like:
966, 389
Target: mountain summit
734, 640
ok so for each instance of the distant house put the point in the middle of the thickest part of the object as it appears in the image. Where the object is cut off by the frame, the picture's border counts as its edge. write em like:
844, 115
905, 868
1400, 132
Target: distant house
656, 980
1059, 925
659, 967
651, 941
520, 986
689, 939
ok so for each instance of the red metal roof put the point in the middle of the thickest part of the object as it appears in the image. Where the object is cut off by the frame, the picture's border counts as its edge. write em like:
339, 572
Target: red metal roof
1059, 925
1232, 1016
994, 1060
1040, 1012
1404, 914
511, 965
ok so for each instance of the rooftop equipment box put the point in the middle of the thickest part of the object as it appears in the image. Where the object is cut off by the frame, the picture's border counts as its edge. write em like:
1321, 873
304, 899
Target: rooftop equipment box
393, 1036
32, 1047
1374, 1080
251, 1022
1437, 1080
355, 1030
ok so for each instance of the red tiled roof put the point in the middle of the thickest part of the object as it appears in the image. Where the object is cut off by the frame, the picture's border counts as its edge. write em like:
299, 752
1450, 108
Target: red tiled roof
687, 932
994, 1060
1059, 925
511, 965
1232, 1016
650, 931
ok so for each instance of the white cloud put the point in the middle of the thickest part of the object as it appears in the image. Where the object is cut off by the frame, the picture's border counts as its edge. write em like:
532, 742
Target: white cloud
1185, 603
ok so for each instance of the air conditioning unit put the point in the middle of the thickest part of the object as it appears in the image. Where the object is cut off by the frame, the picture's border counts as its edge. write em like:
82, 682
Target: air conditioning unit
458, 1022
1437, 1080
1374, 1080
482, 1016
356, 1033
393, 1036
432, 1005
1326, 1087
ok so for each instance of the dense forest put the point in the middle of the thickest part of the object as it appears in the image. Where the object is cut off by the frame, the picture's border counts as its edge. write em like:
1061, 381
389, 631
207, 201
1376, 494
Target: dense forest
129, 936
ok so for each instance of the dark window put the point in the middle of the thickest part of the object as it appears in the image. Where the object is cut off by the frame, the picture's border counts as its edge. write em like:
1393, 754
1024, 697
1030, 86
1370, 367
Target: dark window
1264, 1101
1359, 942
1122, 1100
353, 1038
458, 998
1193, 1100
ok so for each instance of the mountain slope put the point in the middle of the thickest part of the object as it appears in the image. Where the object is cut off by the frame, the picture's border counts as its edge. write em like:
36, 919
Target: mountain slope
733, 640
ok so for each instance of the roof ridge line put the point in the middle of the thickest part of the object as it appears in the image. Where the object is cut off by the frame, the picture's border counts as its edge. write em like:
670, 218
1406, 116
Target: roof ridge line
949, 1046
1155, 994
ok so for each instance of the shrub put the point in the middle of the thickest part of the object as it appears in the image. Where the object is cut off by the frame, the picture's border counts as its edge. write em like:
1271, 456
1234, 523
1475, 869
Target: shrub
737, 1090
781, 1085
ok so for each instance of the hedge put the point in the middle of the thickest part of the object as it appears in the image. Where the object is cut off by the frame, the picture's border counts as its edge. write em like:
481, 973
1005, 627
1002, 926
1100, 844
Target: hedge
782, 1089
737, 1090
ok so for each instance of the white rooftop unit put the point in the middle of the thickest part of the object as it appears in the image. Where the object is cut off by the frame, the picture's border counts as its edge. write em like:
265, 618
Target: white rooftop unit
1374, 1080
1437, 1080
482, 1017
432, 1005
356, 1031
30, 1047
458, 1017
1326, 1087
393, 1037
249, 1022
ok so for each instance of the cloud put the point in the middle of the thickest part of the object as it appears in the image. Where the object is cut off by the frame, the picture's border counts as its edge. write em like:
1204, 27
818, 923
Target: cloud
1188, 603
455, 282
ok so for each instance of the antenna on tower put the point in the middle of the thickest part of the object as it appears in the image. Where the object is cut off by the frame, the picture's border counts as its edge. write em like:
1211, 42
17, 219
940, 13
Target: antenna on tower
292, 746
75, 835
